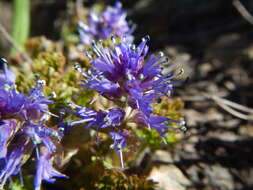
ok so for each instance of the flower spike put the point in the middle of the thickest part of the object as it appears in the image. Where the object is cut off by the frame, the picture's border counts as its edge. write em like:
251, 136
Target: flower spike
123, 74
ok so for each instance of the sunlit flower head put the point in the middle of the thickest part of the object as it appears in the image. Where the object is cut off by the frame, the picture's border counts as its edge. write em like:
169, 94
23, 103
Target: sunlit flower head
126, 76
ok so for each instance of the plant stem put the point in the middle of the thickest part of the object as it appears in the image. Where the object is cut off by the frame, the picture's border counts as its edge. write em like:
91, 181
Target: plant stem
21, 22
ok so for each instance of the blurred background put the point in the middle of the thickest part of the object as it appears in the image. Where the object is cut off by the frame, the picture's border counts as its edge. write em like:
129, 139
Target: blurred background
211, 40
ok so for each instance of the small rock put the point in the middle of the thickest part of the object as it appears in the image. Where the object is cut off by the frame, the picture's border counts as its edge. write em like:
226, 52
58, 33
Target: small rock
224, 136
162, 156
246, 130
193, 117
231, 123
220, 177
169, 177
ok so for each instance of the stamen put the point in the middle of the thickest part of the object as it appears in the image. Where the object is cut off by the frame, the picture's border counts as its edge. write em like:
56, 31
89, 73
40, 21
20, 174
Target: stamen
182, 123
179, 73
71, 105
161, 54
133, 47
4, 62
37, 152
149, 127
168, 93
52, 95
149, 91
62, 112
108, 55
123, 99
7, 87
89, 72
21, 178
107, 120
164, 140
61, 129
51, 114
113, 39
36, 139
82, 25
146, 38
156, 78
88, 54
130, 77
76, 66
81, 121
119, 4
141, 76
96, 49
41, 83
124, 39
45, 117
94, 99
183, 129
167, 59
121, 158
90, 113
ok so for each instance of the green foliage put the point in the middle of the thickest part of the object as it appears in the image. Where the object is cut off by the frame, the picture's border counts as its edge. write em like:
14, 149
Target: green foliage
68, 33
153, 139
170, 108
117, 180
60, 78
36, 45
16, 185
167, 108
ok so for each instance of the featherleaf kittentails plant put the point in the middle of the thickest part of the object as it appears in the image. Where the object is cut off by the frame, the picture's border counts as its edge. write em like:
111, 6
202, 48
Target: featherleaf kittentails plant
130, 87
132, 82
23, 130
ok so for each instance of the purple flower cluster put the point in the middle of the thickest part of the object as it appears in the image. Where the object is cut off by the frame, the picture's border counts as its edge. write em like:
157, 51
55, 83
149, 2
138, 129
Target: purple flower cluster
111, 21
22, 130
124, 75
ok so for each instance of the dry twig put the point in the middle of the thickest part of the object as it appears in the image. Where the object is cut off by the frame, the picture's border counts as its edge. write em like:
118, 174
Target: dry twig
78, 7
234, 112
233, 108
243, 11
12, 42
